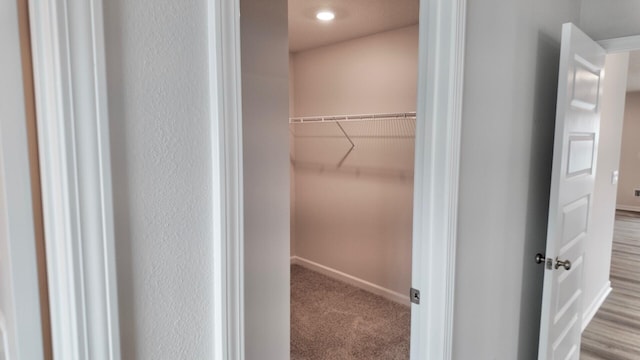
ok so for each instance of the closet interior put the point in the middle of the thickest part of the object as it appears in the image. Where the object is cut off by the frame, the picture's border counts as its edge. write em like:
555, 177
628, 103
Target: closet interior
352, 95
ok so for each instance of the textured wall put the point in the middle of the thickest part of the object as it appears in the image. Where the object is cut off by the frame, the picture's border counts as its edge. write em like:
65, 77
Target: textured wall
158, 107
630, 156
510, 87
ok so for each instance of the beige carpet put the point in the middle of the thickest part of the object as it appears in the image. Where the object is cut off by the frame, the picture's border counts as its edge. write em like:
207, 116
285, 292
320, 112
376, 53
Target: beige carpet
331, 320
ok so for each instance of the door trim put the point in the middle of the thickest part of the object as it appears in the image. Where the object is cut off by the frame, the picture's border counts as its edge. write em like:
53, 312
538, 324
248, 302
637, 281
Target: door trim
438, 128
73, 135
440, 88
386, 293
590, 312
620, 44
227, 178
628, 208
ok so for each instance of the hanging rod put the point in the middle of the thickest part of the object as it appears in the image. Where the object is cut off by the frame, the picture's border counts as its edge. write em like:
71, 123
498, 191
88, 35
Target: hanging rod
361, 117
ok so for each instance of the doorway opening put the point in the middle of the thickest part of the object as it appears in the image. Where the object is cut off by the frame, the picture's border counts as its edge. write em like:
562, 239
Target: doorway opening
251, 147
353, 74
612, 321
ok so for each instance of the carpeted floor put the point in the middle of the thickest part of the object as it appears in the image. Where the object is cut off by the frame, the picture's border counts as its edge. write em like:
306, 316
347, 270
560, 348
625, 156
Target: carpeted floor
331, 320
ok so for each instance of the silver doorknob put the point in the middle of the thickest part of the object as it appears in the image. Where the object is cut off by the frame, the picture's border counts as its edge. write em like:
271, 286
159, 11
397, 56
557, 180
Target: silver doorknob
564, 263
540, 258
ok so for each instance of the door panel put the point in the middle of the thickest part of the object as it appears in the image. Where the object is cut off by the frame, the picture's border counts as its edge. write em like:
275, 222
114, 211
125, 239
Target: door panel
581, 149
572, 183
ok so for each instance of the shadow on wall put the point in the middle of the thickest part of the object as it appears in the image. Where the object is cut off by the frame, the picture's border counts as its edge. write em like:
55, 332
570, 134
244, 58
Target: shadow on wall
542, 134
120, 175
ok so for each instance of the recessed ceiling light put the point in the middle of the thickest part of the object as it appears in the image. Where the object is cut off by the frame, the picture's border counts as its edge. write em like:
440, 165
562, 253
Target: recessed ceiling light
325, 15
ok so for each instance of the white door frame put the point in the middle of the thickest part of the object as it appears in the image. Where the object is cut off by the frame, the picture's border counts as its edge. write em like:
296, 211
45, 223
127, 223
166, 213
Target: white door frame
439, 113
71, 105
227, 195
621, 44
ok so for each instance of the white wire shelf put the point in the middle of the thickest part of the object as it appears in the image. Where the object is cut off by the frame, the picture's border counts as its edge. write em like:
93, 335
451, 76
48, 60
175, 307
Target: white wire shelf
360, 117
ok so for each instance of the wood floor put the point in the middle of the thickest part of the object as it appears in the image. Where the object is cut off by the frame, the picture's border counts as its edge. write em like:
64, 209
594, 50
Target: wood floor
614, 333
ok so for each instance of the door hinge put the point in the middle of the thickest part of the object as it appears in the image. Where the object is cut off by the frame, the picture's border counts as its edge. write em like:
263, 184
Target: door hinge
414, 294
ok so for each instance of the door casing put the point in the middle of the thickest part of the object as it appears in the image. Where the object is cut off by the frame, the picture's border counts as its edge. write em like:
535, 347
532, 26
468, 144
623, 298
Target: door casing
439, 112
67, 40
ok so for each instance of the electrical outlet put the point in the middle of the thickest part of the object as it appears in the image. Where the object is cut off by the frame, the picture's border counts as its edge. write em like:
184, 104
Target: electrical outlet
636, 192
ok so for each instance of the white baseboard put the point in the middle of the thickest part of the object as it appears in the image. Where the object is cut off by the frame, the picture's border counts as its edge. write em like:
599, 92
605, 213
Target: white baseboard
352, 280
628, 208
593, 308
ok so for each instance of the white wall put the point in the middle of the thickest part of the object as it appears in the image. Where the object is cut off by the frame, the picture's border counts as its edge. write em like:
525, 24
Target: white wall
161, 153
604, 19
265, 98
510, 87
630, 156
597, 250
356, 217
372, 74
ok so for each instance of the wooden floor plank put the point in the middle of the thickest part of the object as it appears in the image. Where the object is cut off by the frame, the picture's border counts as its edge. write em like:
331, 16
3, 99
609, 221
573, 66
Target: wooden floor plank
614, 333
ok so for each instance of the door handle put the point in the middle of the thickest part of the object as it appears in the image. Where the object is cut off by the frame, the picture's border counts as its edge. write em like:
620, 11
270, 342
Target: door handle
541, 259
564, 263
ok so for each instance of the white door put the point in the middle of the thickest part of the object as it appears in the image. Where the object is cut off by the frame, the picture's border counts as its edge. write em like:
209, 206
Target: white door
20, 326
572, 182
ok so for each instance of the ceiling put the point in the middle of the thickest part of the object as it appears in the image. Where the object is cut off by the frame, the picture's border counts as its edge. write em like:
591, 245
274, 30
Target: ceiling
633, 78
354, 18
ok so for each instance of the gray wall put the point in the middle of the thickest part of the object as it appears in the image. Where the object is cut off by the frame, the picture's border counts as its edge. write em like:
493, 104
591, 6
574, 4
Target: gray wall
160, 140
510, 85
158, 104
21, 335
265, 105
